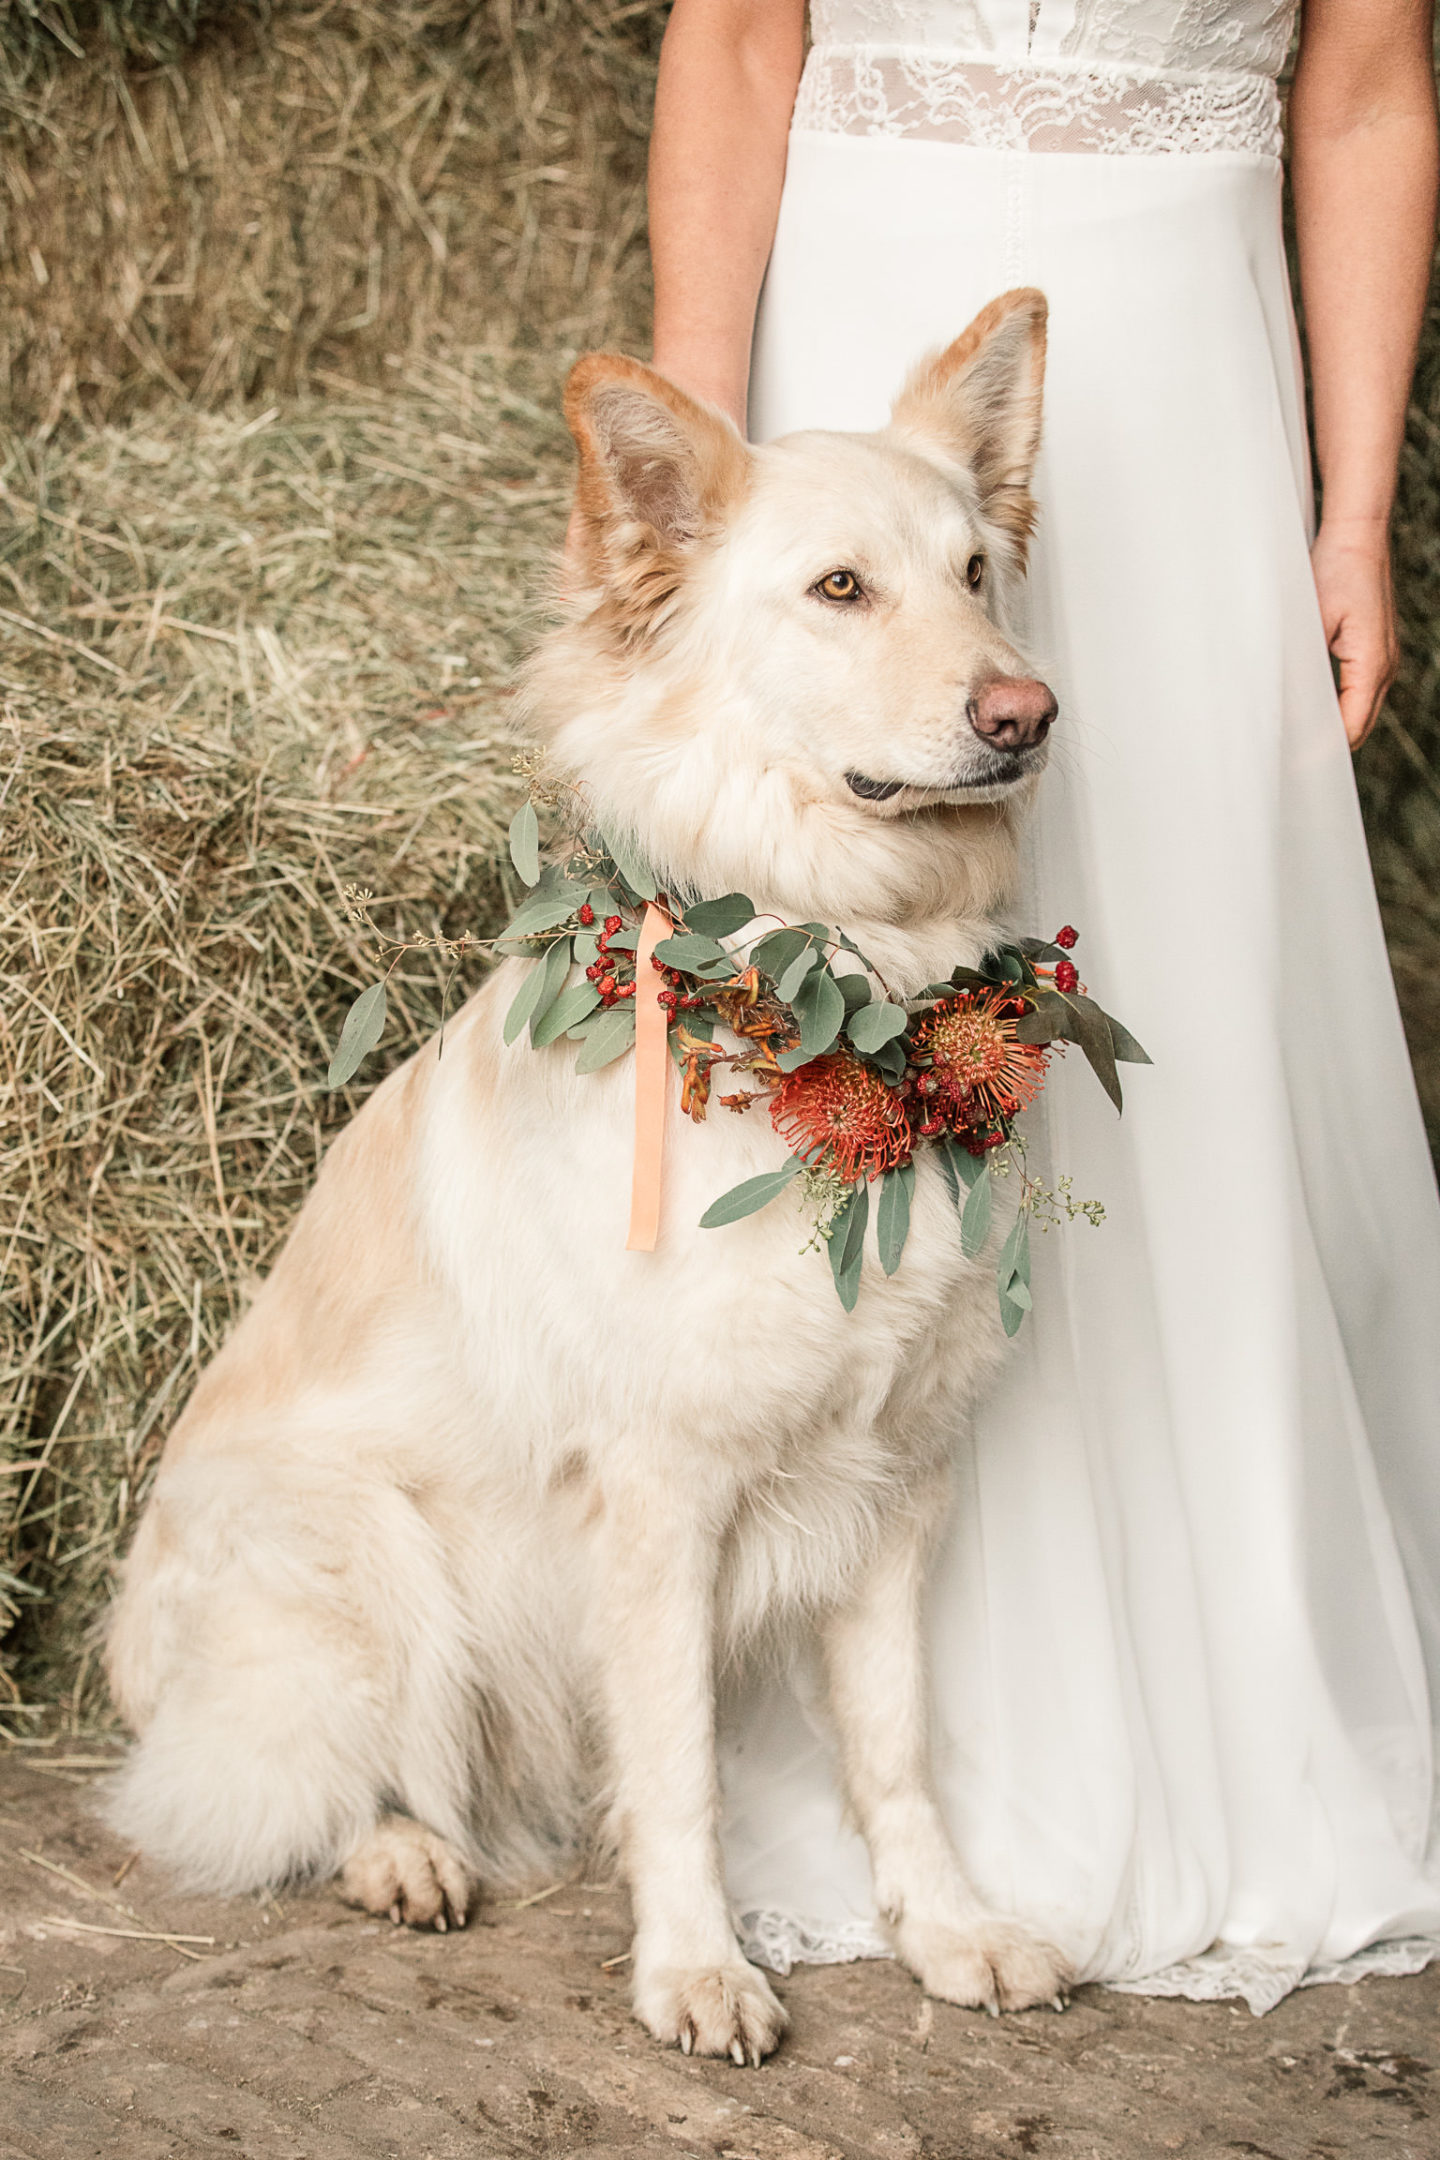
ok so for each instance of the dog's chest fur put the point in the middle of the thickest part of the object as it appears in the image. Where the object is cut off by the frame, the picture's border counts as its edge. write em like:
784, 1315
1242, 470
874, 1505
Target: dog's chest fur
723, 1358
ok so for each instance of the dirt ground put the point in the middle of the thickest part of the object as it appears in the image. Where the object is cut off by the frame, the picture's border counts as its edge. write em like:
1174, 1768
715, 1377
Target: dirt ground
300, 2030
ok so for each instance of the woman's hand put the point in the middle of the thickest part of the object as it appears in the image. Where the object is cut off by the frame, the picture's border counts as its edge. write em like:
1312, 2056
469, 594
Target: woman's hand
1351, 562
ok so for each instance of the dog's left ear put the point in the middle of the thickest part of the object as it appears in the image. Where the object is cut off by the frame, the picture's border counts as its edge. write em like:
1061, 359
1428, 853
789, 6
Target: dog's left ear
656, 470
980, 401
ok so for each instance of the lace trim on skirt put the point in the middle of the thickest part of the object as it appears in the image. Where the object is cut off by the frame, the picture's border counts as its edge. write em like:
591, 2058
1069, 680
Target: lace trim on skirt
866, 90
779, 1941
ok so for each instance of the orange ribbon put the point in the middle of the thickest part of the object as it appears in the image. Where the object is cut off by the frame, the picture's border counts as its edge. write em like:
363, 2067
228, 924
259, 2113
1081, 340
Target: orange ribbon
652, 1059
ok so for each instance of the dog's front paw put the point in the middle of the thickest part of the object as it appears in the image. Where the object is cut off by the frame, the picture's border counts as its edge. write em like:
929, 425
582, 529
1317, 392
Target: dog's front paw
405, 1870
986, 1964
712, 2010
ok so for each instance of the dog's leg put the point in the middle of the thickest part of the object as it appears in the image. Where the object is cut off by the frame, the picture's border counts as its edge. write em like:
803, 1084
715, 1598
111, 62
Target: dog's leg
958, 1949
655, 1612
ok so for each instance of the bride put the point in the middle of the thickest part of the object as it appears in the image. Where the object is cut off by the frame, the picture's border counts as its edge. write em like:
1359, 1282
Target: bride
1186, 1636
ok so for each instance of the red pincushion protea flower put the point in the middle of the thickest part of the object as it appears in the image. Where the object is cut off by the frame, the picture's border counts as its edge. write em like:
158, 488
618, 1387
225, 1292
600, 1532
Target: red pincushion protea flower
984, 1074
843, 1107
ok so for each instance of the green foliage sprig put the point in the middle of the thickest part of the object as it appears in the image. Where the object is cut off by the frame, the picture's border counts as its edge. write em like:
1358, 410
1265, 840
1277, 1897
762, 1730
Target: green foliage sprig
858, 1079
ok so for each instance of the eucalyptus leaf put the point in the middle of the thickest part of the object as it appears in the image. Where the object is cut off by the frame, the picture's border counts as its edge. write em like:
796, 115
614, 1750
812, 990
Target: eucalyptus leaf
690, 952
892, 1216
609, 1038
527, 997
525, 843
1123, 1043
1048, 1019
773, 953
961, 1168
791, 1060
787, 984
1012, 1274
541, 912
634, 872
748, 1198
847, 1245
722, 917
1011, 957
555, 967
554, 878
1093, 1031
571, 1005
848, 944
889, 1059
1013, 1264
975, 1217
820, 1010
876, 1024
364, 1025
856, 991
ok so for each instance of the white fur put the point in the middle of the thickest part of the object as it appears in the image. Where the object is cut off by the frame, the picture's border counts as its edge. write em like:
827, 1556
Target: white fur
456, 1534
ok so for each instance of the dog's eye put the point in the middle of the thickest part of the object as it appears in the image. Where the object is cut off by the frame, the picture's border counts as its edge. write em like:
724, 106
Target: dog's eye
974, 571
839, 585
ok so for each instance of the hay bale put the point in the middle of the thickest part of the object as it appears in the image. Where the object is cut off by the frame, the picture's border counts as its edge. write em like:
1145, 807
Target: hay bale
250, 654
312, 186
244, 660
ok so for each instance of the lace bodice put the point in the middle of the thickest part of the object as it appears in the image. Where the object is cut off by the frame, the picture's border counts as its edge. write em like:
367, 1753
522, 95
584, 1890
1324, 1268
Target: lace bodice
1116, 76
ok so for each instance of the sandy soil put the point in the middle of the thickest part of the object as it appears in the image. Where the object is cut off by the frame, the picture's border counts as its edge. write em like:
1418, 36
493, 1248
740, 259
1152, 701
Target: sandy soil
299, 2030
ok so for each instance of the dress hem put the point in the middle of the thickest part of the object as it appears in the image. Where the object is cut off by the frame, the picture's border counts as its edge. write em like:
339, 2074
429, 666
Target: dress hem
780, 1941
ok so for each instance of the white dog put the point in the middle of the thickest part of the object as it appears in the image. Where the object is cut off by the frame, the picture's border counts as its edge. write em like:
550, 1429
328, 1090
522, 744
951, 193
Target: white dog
449, 1546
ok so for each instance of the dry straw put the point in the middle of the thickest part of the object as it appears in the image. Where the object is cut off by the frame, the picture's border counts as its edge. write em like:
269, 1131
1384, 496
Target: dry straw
314, 183
243, 660
285, 298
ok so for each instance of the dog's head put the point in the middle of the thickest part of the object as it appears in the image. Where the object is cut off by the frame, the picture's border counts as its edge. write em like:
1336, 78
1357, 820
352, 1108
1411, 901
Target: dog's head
786, 669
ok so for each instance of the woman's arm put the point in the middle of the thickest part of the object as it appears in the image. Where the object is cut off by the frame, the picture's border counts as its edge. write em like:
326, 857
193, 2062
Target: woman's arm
728, 73
1363, 164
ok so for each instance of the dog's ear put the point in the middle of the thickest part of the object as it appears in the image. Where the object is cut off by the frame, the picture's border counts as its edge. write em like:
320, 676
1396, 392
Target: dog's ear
656, 470
979, 400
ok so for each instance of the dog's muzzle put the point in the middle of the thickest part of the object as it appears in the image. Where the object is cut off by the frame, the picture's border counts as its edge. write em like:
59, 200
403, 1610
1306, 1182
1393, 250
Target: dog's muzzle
1010, 717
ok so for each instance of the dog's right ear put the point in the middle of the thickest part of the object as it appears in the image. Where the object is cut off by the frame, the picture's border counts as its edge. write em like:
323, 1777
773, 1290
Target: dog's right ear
979, 401
657, 469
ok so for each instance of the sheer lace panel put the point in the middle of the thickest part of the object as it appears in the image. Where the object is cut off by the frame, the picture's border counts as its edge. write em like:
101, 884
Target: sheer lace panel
860, 90
780, 1941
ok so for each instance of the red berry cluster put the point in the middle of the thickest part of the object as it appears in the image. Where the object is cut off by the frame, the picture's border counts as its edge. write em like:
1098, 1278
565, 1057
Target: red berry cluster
1067, 975
979, 1143
674, 998
1067, 936
601, 970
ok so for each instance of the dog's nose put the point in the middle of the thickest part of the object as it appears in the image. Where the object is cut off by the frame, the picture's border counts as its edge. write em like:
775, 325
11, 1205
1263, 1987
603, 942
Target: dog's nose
1013, 712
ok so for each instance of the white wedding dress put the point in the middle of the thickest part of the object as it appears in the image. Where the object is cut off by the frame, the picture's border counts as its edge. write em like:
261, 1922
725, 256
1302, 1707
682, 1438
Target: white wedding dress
1186, 1628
